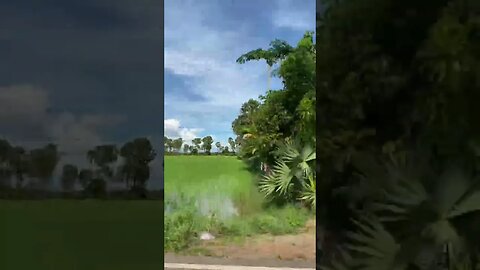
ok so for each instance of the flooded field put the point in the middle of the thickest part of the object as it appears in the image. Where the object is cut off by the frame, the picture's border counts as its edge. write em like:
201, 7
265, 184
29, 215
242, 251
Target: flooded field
220, 185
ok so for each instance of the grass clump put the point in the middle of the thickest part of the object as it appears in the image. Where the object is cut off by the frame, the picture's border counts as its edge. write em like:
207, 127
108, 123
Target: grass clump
183, 225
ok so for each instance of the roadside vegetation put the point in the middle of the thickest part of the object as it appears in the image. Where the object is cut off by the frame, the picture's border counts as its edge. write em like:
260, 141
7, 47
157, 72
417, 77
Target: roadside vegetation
398, 133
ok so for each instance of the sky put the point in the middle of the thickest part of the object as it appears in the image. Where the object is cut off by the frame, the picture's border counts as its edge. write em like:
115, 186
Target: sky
80, 73
204, 86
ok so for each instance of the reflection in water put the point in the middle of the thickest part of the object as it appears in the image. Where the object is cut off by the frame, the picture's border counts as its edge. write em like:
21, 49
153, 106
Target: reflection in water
220, 205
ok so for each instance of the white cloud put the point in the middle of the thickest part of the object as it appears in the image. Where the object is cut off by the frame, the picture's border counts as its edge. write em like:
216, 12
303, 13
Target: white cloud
288, 14
24, 114
173, 129
206, 55
202, 52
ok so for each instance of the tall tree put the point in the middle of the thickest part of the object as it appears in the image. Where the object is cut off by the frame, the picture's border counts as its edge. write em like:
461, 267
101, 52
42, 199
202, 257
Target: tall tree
186, 148
207, 144
43, 162
167, 143
69, 177
137, 155
177, 144
5, 167
231, 142
196, 142
277, 51
84, 177
219, 146
103, 156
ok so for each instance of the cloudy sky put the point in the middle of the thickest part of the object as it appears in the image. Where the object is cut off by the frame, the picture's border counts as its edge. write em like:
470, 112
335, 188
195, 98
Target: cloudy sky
204, 86
80, 73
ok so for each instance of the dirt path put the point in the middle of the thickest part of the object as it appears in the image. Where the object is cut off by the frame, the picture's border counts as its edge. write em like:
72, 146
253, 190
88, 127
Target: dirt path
284, 249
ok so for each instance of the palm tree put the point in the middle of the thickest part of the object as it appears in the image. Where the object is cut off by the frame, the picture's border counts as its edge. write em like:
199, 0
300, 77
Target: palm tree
277, 51
293, 175
419, 215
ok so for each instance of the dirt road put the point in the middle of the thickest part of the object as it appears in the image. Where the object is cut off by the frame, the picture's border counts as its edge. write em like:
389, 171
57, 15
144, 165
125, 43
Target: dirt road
265, 252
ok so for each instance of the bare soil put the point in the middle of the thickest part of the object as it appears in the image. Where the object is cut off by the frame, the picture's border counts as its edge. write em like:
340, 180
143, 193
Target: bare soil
300, 246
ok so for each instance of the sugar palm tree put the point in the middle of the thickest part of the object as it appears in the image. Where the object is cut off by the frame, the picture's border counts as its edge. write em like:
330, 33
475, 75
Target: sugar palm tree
421, 217
293, 175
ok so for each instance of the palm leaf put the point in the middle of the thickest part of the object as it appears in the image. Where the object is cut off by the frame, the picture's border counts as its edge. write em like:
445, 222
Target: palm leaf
376, 247
469, 204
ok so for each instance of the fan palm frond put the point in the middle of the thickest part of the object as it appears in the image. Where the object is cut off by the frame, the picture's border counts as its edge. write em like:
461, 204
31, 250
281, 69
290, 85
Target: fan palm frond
376, 247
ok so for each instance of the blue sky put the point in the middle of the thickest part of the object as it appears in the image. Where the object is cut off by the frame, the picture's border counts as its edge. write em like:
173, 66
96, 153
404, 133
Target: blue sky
204, 86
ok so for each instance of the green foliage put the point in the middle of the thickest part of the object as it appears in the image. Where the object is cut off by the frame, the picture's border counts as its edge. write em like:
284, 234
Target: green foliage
137, 154
207, 144
282, 114
413, 209
390, 79
293, 175
278, 50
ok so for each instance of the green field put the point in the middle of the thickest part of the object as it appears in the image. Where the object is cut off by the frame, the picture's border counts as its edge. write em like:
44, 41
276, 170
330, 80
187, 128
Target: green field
81, 234
217, 183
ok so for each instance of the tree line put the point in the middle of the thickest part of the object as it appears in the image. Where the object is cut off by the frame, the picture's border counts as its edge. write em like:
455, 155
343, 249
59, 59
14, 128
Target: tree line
198, 146
39, 165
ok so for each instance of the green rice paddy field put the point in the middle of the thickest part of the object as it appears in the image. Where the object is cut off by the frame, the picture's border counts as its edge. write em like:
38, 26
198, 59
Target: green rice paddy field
81, 234
217, 183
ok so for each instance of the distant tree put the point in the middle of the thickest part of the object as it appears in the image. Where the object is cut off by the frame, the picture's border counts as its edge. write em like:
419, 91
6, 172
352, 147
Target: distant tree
207, 144
84, 177
166, 143
43, 162
137, 155
196, 142
186, 148
225, 150
231, 142
177, 144
19, 164
5, 168
103, 156
219, 146
69, 177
